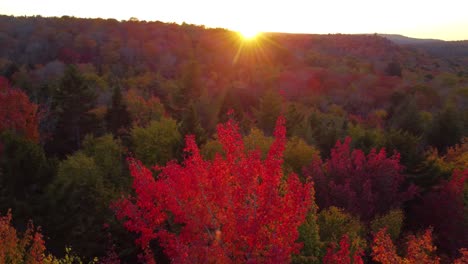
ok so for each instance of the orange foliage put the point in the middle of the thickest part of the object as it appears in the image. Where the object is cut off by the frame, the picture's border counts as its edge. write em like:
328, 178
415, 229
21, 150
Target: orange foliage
28, 249
457, 156
463, 259
419, 249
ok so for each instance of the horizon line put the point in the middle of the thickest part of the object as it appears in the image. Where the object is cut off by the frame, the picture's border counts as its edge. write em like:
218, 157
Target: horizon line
227, 28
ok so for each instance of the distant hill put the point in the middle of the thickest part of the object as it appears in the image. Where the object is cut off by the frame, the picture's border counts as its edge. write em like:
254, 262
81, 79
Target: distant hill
435, 47
403, 40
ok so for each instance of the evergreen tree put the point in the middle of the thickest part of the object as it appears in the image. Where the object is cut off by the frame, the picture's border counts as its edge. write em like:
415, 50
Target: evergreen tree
268, 111
394, 69
294, 120
231, 101
191, 124
72, 101
447, 129
191, 82
117, 117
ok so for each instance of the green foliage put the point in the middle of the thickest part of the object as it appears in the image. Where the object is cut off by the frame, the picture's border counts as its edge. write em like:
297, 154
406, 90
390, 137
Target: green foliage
211, 148
326, 129
427, 119
73, 100
298, 154
294, 120
231, 101
117, 117
447, 128
69, 258
24, 173
447, 79
256, 140
392, 220
191, 124
405, 114
108, 153
268, 111
79, 196
366, 138
192, 84
79, 201
309, 236
157, 143
335, 222
407, 144
78, 169
431, 170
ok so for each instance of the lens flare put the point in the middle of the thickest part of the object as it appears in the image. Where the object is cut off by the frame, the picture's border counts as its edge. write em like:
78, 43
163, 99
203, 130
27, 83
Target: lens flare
249, 34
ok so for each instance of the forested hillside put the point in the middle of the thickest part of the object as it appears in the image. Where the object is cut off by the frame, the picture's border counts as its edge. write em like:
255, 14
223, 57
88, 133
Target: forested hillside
135, 141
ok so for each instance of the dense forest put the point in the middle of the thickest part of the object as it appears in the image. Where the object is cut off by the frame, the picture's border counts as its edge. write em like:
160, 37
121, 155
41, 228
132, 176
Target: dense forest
149, 142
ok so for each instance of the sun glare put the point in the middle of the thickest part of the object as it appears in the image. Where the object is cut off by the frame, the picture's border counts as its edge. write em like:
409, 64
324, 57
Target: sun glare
249, 34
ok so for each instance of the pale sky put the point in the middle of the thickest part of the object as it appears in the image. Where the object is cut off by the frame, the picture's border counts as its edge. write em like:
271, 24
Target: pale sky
447, 19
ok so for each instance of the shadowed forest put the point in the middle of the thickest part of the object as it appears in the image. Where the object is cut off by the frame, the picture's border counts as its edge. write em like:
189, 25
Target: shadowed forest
149, 142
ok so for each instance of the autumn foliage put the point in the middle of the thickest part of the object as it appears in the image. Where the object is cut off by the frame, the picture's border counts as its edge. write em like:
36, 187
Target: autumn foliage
364, 185
445, 202
17, 113
234, 209
419, 249
342, 255
28, 248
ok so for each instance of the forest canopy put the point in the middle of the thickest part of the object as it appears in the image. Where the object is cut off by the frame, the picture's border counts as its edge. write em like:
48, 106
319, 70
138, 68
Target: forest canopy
299, 148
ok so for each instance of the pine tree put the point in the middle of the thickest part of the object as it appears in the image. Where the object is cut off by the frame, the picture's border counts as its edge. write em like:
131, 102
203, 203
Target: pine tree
191, 124
72, 101
117, 118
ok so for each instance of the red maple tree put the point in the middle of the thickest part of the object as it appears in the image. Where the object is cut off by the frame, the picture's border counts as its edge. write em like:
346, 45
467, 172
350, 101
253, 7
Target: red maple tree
237, 208
343, 254
17, 112
444, 209
365, 185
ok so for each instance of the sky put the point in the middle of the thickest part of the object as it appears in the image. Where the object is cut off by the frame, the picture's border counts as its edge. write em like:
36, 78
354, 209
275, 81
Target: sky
447, 19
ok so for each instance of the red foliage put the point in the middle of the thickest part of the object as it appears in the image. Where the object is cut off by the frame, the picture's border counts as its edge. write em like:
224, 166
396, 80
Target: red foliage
17, 113
111, 257
343, 254
69, 56
235, 209
363, 185
419, 249
443, 209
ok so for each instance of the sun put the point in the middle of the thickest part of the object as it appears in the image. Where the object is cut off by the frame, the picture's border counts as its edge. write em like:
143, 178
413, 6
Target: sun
249, 33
